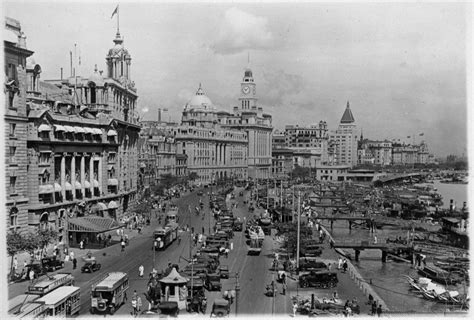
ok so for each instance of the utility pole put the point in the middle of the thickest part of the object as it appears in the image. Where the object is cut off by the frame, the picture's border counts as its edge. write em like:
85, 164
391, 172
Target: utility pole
237, 289
298, 234
267, 194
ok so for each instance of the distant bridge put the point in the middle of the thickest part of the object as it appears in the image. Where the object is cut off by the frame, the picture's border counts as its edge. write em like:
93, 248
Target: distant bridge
399, 177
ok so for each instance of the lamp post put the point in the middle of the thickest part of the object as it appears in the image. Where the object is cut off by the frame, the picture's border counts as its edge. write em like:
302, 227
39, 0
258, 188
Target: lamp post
237, 289
155, 244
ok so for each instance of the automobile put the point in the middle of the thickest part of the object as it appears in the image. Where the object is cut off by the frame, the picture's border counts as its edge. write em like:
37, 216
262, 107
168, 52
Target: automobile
52, 263
224, 271
213, 282
308, 265
90, 266
169, 308
238, 226
318, 279
220, 308
311, 251
36, 267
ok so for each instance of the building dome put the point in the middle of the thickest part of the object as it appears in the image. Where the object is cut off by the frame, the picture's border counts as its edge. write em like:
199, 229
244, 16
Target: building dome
96, 77
200, 102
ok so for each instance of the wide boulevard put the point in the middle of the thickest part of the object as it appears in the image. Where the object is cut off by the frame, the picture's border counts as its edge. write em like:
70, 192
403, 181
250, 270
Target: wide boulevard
254, 271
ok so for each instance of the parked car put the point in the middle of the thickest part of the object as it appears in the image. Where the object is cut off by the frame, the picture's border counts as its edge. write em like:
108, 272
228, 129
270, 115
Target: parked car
220, 308
52, 263
36, 267
224, 271
311, 251
213, 282
319, 279
90, 266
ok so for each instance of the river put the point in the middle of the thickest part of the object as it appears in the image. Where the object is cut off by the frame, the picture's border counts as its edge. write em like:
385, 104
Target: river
388, 278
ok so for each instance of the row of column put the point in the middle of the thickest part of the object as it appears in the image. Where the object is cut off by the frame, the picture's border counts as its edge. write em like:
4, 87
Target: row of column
82, 178
221, 149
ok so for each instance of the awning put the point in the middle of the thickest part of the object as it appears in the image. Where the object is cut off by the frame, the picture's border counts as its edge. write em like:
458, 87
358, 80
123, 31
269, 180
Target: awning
89, 130
46, 188
87, 184
44, 127
111, 133
67, 186
93, 224
57, 187
58, 127
95, 183
112, 205
97, 131
79, 130
78, 185
69, 129
112, 182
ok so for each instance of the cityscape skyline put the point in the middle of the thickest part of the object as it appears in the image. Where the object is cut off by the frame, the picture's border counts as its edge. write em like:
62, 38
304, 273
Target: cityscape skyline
405, 66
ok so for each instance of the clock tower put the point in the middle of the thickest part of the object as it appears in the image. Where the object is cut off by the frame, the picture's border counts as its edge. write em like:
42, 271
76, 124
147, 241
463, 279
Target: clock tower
248, 92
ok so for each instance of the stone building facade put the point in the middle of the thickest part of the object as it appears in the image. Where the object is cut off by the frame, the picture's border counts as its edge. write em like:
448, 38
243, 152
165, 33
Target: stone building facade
16, 122
375, 152
343, 141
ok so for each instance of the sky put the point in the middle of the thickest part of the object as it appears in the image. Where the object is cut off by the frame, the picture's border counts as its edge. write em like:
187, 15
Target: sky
401, 66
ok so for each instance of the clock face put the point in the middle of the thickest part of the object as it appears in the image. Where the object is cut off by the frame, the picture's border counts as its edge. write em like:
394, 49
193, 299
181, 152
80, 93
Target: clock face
245, 89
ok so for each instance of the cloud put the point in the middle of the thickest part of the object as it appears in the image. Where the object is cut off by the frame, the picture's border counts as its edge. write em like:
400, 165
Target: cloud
241, 31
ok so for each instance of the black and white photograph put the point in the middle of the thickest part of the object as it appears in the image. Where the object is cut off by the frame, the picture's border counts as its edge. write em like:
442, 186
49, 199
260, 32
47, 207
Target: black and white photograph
267, 159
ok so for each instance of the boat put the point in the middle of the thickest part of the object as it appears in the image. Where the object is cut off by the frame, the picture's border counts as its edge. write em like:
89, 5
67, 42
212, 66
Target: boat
438, 275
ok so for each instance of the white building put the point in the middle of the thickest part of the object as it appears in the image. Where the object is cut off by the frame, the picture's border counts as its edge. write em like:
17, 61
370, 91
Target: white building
344, 140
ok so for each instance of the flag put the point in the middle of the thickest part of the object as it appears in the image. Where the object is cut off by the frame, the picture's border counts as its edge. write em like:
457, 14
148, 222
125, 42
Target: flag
115, 11
422, 134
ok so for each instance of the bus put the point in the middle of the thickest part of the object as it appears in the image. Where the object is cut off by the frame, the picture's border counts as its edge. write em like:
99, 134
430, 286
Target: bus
165, 236
109, 293
64, 301
50, 283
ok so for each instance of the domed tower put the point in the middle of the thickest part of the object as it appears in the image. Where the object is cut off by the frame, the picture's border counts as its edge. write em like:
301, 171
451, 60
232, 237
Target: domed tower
248, 90
119, 61
199, 111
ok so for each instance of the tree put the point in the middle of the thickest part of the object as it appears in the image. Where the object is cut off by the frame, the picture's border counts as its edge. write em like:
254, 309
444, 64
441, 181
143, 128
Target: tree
45, 237
18, 243
193, 176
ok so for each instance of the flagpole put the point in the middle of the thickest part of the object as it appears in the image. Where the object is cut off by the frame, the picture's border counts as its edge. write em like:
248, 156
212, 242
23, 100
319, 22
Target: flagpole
118, 19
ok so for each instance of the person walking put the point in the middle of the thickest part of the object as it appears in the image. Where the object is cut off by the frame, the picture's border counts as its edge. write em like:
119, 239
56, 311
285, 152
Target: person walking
141, 271
32, 275
139, 303
339, 263
283, 287
81, 244
295, 308
134, 307
74, 263
123, 245
379, 310
375, 239
15, 265
374, 308
344, 265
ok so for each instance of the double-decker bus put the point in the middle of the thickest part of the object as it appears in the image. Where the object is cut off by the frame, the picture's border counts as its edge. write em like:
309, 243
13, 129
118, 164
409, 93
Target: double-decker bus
62, 302
50, 283
109, 293
164, 236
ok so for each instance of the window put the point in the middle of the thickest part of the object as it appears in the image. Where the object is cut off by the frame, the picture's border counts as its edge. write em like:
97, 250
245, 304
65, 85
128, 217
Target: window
12, 185
12, 154
12, 129
44, 158
13, 218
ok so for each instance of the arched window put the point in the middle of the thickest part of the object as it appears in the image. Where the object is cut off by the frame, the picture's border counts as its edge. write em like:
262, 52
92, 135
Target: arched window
43, 223
13, 218
92, 88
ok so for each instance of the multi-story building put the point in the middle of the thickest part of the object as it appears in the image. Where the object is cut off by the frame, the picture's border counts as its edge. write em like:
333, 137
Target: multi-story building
248, 117
408, 154
312, 138
375, 152
282, 162
206, 147
16, 123
113, 99
278, 140
343, 142
156, 154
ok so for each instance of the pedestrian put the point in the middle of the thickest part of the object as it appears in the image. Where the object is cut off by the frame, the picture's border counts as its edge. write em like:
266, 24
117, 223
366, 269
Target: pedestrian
15, 265
344, 265
141, 270
375, 239
123, 245
227, 252
329, 266
81, 244
295, 308
74, 263
339, 263
202, 230
374, 308
379, 310
32, 275
139, 303
283, 286
134, 307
